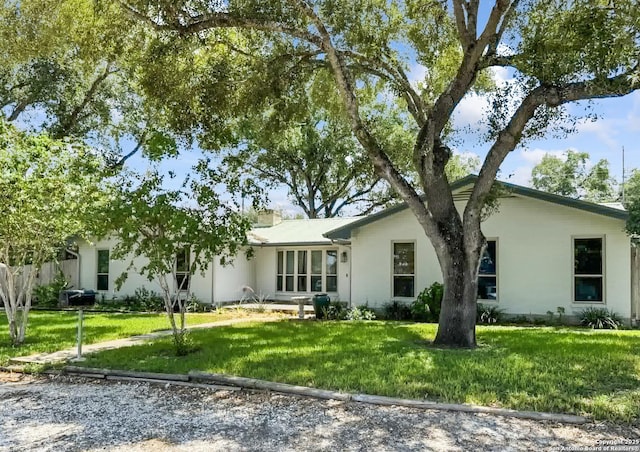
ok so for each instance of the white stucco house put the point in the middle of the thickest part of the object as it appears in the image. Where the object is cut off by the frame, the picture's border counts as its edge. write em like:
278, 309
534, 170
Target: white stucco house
544, 252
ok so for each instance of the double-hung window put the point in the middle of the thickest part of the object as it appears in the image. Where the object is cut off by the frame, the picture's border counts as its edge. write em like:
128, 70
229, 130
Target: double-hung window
307, 271
488, 273
404, 274
103, 270
183, 270
588, 269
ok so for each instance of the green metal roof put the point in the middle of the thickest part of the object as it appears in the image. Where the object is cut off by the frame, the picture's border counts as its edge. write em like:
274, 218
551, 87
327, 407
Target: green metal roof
344, 232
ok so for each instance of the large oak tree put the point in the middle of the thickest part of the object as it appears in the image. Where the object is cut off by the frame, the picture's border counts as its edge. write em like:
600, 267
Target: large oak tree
558, 52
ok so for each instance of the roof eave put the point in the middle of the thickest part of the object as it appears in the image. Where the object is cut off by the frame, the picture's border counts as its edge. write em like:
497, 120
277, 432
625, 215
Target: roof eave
344, 232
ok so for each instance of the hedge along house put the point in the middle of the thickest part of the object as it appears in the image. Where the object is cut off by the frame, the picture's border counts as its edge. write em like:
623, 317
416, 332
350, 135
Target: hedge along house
544, 251
290, 258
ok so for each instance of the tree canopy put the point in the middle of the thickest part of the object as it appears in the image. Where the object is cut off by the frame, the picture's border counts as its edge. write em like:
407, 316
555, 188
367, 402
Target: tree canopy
571, 176
69, 68
232, 60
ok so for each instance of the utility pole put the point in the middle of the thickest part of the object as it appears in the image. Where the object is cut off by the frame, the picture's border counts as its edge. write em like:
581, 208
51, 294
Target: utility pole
623, 176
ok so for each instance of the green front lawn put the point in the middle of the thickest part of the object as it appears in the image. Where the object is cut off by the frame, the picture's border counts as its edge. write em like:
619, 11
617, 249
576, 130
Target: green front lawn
52, 331
545, 369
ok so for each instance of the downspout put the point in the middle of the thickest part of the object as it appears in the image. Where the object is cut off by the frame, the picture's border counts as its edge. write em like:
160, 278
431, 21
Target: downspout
350, 276
346, 244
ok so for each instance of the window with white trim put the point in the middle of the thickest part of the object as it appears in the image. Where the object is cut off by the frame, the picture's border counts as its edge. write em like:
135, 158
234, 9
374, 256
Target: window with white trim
488, 272
404, 265
102, 279
183, 270
307, 270
588, 269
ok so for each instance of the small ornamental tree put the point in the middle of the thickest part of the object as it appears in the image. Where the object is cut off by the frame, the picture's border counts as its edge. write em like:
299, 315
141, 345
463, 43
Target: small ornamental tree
160, 224
48, 192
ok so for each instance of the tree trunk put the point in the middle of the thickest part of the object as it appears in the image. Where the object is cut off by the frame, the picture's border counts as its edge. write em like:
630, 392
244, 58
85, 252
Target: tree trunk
457, 323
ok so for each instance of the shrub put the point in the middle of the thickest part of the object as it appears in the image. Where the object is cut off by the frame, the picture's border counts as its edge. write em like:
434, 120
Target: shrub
488, 314
520, 319
361, 313
600, 319
426, 308
194, 304
147, 300
335, 311
46, 295
397, 311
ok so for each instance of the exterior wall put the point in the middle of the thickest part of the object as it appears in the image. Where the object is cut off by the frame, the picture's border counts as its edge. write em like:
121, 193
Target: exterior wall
88, 255
534, 253
228, 280
266, 268
201, 283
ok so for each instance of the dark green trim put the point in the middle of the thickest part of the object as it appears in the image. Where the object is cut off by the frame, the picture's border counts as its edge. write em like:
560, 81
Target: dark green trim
283, 244
344, 232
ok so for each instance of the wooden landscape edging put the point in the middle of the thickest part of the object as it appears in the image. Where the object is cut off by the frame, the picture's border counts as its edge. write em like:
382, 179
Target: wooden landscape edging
197, 379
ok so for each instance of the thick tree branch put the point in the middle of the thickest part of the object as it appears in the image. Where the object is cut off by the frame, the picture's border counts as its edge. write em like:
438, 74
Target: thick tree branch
220, 20
551, 96
66, 125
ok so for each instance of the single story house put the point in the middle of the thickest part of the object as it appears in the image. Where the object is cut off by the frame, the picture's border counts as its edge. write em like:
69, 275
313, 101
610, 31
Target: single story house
544, 251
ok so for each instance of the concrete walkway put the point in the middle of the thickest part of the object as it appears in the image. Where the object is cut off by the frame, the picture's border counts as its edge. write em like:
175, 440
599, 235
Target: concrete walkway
71, 353
279, 307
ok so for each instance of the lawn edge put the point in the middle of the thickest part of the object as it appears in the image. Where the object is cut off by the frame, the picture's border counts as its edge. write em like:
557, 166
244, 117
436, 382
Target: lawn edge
204, 379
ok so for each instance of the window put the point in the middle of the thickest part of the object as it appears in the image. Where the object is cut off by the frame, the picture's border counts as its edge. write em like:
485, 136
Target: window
302, 271
316, 271
280, 273
588, 269
103, 270
404, 269
488, 274
332, 271
289, 275
182, 268
307, 271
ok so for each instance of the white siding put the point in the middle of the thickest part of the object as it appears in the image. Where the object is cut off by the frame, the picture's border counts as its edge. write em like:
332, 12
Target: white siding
535, 257
231, 278
217, 283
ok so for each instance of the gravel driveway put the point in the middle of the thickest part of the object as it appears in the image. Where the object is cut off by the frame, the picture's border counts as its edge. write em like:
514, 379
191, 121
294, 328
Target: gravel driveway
75, 414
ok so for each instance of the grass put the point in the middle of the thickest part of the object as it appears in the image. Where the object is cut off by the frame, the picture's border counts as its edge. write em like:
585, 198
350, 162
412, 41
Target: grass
565, 370
52, 331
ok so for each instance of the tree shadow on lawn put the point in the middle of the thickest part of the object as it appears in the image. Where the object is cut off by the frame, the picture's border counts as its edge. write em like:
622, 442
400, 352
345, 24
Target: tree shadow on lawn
543, 369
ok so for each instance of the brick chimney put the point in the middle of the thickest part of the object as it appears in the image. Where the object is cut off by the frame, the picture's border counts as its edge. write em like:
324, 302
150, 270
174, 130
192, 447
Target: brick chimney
268, 218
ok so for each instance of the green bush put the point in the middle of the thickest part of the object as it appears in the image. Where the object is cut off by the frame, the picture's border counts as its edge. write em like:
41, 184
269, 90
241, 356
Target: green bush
397, 311
427, 306
335, 311
600, 319
488, 314
520, 320
46, 295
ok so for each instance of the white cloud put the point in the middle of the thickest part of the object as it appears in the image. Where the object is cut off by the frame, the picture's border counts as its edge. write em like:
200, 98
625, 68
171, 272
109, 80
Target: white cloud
471, 110
501, 76
534, 156
416, 74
